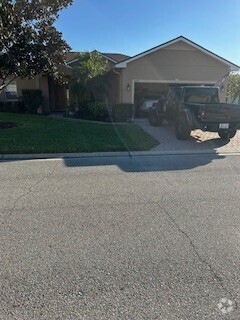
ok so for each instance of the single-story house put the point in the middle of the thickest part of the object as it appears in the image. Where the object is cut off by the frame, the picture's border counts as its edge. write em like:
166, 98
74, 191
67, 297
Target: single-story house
147, 75
144, 76
176, 62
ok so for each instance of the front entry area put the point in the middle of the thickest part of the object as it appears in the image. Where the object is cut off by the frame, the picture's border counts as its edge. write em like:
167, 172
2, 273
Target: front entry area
60, 97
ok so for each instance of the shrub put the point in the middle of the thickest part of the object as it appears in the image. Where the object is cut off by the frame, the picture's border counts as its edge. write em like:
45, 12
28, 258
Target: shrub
122, 112
83, 112
98, 111
32, 99
5, 107
21, 107
12, 106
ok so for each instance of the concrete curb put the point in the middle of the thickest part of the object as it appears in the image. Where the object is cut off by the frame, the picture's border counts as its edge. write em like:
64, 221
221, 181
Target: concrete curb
89, 121
182, 152
62, 155
4, 157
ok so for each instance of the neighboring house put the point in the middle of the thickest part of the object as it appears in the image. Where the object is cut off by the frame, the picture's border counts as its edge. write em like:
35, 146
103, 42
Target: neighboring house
145, 76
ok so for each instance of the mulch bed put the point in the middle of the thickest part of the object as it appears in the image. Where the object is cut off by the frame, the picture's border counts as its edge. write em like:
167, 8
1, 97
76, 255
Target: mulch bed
9, 125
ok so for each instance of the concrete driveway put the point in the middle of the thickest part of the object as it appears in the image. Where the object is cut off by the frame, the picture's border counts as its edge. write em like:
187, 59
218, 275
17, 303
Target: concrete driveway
199, 140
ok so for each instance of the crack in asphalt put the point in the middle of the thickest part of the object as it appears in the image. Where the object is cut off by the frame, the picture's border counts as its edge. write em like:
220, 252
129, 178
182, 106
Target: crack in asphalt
26, 192
201, 259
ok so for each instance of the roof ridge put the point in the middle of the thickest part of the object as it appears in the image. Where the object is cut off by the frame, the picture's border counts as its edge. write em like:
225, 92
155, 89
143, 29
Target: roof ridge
173, 41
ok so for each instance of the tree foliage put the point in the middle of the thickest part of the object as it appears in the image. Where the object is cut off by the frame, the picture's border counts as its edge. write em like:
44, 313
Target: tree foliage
29, 42
233, 86
95, 65
89, 77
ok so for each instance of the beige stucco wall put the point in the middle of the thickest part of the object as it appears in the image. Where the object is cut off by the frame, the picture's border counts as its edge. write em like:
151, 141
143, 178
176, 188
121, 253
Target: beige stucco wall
173, 64
43, 85
39, 82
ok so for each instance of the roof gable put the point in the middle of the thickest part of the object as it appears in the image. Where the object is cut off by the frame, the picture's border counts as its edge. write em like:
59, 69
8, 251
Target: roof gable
180, 43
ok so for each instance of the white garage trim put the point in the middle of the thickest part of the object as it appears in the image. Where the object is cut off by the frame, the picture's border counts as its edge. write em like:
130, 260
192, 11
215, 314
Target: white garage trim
176, 81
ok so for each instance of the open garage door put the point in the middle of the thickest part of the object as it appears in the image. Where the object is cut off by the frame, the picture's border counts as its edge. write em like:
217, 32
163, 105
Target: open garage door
146, 93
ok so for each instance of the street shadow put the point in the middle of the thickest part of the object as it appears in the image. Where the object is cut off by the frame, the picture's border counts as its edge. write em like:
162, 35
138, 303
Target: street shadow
135, 163
147, 163
203, 153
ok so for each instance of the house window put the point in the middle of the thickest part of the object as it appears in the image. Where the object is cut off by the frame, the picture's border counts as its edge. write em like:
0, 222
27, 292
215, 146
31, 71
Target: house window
11, 91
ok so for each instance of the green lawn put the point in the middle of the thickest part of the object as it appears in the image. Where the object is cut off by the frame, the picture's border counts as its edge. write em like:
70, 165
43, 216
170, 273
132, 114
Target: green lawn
40, 134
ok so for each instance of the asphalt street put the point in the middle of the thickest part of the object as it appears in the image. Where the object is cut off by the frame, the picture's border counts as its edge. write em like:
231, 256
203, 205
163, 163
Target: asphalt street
120, 238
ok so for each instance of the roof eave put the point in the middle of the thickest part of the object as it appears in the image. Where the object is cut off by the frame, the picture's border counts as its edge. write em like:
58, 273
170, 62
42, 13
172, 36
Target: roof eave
72, 61
124, 63
107, 57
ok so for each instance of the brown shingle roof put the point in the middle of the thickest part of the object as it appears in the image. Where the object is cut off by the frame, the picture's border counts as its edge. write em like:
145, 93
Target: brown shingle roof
118, 57
71, 55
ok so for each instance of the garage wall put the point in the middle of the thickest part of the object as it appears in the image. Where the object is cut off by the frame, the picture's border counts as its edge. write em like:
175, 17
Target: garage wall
175, 63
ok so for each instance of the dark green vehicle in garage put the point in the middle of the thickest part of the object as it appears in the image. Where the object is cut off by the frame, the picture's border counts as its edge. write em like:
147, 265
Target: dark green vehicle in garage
196, 107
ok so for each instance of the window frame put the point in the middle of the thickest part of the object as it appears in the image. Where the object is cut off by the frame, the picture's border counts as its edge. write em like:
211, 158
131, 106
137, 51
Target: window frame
7, 98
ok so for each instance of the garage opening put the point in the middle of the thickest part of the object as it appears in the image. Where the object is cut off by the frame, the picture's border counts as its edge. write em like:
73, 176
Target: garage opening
147, 93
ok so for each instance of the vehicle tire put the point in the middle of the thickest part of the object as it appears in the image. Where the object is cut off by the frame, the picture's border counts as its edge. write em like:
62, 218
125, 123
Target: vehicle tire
153, 119
223, 134
182, 128
226, 135
232, 133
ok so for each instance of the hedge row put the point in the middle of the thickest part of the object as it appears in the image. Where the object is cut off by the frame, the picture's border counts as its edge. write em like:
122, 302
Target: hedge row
120, 112
12, 106
32, 99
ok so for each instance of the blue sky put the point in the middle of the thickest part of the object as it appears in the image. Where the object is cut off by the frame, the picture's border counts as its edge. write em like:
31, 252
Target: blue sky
133, 26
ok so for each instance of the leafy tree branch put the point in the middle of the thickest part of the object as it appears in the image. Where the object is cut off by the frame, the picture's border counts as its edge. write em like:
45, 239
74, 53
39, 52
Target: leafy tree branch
30, 44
